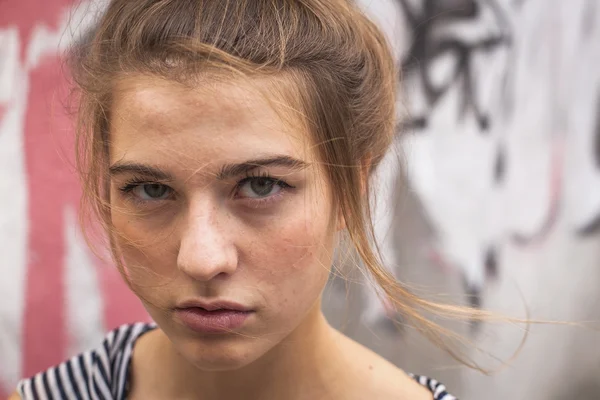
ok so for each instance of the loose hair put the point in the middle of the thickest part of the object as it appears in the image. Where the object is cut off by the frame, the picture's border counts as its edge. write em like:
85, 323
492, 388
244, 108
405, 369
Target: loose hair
338, 62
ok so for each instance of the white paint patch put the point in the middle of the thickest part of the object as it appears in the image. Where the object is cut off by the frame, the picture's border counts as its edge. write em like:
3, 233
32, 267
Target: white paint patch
13, 205
73, 23
83, 294
581, 93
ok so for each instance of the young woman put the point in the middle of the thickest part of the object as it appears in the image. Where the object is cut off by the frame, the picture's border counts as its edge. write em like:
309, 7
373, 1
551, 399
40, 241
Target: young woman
226, 145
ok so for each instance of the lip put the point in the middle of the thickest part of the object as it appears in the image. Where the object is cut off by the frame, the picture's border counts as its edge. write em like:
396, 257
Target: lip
213, 305
216, 317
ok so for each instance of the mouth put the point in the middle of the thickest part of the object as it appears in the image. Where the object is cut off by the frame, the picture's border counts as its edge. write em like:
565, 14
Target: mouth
213, 305
213, 318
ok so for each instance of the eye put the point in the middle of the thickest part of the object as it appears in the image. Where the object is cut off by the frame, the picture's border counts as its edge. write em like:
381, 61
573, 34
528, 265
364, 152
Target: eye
150, 191
260, 187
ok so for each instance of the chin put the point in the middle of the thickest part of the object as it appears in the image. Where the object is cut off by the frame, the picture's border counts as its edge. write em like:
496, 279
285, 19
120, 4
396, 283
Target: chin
215, 354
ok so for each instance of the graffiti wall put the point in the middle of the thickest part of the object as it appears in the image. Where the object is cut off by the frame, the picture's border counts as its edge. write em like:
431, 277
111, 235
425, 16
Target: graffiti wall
492, 192
498, 142
56, 297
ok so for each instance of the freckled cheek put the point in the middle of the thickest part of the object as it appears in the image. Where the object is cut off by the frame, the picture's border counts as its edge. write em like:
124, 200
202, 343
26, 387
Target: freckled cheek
141, 247
294, 262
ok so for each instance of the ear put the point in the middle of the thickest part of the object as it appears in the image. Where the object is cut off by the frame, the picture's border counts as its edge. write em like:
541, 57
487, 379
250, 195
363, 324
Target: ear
363, 187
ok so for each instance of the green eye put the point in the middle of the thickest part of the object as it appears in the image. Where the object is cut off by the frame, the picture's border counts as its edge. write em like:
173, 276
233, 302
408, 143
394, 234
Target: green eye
153, 190
260, 187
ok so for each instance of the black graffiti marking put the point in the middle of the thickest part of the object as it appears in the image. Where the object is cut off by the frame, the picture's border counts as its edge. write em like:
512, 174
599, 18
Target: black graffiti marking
474, 300
426, 48
392, 324
593, 226
500, 166
590, 229
491, 263
597, 134
473, 293
412, 124
589, 18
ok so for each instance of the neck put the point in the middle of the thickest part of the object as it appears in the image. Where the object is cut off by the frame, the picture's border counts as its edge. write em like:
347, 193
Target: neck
283, 372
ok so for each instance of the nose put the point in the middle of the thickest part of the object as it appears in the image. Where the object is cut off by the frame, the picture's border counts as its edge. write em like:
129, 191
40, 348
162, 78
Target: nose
205, 249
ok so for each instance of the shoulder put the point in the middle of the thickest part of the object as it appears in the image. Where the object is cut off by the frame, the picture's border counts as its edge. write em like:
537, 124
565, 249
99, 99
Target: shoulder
101, 370
379, 378
390, 382
382, 379
393, 383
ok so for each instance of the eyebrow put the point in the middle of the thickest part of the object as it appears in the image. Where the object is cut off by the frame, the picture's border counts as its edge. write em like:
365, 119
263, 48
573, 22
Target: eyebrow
120, 168
227, 171
232, 170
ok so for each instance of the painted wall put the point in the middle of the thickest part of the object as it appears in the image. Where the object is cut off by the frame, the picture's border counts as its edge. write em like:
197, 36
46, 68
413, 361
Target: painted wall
492, 195
500, 147
56, 297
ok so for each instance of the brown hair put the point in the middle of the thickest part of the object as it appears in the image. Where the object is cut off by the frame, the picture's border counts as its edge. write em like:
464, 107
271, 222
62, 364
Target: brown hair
337, 58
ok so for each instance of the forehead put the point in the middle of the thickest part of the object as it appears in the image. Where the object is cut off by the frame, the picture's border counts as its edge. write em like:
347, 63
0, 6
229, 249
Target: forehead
153, 117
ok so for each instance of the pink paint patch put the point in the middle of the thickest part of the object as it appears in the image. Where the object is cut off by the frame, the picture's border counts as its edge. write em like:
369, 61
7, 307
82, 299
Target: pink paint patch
536, 238
120, 304
27, 14
53, 184
44, 289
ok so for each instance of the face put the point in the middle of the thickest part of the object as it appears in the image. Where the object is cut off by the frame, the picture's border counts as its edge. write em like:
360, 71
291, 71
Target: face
221, 216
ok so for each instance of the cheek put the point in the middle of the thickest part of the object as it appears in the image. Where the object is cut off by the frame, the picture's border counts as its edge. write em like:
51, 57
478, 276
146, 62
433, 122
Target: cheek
148, 264
292, 260
143, 248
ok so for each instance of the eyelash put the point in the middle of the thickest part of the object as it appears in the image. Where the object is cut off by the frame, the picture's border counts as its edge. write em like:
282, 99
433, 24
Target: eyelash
284, 186
135, 182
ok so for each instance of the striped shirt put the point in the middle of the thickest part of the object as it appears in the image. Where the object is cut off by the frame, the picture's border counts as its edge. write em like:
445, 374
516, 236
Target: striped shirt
103, 373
